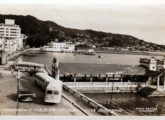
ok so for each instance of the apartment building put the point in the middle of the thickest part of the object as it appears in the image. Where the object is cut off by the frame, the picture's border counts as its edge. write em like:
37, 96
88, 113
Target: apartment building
65, 47
10, 36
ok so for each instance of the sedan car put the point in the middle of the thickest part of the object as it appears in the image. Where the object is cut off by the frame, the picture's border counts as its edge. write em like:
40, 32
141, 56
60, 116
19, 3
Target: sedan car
26, 96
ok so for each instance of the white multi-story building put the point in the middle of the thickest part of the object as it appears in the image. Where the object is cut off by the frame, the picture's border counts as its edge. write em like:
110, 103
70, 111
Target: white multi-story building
10, 36
66, 47
2, 43
59, 47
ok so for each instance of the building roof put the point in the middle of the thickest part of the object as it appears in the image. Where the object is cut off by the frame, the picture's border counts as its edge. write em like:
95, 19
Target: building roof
135, 70
8, 25
83, 68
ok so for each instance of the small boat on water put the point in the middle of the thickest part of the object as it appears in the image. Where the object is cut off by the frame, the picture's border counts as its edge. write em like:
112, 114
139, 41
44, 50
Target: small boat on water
85, 53
89, 53
100, 56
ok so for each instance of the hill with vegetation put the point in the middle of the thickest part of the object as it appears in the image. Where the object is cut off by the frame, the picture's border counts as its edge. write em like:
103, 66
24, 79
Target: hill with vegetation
40, 33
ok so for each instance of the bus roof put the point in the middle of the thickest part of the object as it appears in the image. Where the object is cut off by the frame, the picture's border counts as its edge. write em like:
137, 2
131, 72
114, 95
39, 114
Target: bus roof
48, 78
30, 64
55, 85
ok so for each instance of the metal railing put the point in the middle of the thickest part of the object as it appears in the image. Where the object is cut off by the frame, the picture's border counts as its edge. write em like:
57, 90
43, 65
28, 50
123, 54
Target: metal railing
100, 108
106, 84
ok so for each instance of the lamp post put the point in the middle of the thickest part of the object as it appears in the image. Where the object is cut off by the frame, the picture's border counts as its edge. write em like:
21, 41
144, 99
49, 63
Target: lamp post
18, 76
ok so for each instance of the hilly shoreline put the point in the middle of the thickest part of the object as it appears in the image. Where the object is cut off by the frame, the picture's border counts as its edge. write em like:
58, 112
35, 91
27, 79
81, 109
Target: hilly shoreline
40, 33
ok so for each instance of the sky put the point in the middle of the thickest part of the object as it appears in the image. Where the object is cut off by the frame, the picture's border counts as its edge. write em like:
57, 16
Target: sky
144, 19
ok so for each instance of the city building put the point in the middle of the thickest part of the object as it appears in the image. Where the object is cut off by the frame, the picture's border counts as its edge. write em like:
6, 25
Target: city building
59, 47
11, 38
2, 43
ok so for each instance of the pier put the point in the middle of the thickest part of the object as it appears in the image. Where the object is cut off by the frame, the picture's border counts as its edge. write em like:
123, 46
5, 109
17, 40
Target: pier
112, 83
98, 78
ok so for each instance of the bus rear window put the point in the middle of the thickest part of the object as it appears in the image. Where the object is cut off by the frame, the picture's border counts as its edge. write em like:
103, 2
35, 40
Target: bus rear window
49, 92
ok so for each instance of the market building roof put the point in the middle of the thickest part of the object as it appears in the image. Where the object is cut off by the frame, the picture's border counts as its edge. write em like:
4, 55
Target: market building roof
84, 68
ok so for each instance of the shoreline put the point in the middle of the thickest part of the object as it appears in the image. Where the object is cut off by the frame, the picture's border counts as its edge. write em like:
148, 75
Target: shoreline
132, 52
147, 53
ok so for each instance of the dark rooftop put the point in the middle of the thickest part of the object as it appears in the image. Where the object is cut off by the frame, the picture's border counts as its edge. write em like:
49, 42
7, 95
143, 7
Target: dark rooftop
84, 68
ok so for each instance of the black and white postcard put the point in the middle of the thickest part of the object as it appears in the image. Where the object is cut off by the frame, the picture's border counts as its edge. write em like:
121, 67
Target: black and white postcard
82, 59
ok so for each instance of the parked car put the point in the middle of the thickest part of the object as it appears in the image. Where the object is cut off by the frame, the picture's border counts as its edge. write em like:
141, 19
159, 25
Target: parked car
26, 95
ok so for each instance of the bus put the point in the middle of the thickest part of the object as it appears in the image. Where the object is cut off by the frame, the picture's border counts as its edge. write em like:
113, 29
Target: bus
27, 66
51, 86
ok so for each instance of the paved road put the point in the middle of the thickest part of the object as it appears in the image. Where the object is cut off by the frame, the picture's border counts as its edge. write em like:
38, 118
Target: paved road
8, 100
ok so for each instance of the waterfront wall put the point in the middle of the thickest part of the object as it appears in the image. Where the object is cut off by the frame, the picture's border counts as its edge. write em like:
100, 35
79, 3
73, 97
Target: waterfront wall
107, 87
15, 54
5, 69
100, 108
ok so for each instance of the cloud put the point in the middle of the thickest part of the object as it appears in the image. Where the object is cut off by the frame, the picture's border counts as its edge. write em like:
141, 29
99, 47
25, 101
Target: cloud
143, 21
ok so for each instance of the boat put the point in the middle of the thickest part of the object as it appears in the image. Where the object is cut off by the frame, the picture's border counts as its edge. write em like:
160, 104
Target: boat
89, 53
100, 56
86, 52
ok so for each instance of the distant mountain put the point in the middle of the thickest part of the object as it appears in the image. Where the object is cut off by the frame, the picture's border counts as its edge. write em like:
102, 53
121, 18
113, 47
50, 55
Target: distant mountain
42, 32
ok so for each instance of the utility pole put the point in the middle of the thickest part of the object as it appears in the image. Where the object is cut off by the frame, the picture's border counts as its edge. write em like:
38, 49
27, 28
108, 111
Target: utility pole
18, 76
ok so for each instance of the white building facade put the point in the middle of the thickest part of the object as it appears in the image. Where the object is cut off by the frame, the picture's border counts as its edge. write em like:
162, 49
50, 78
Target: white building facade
65, 47
59, 47
2, 43
10, 36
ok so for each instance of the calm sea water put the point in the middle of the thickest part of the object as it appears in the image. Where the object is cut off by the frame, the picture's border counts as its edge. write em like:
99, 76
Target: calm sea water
132, 104
122, 59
